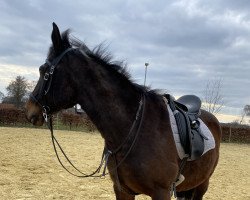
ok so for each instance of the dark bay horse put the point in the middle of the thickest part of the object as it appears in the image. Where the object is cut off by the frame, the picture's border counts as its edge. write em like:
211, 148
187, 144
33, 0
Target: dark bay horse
118, 107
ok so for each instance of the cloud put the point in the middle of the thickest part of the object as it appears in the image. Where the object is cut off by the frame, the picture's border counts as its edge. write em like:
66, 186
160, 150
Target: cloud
8, 73
186, 42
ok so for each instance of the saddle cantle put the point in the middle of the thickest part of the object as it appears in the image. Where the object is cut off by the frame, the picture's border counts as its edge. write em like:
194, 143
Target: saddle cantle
189, 103
186, 111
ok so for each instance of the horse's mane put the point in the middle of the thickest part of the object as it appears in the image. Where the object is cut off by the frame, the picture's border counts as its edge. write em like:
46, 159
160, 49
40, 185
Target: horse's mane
101, 55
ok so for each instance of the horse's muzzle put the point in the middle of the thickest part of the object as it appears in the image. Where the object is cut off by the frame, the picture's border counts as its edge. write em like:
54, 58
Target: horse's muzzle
33, 113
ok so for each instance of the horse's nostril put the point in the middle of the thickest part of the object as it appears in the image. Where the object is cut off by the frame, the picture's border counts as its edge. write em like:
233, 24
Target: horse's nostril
32, 120
36, 120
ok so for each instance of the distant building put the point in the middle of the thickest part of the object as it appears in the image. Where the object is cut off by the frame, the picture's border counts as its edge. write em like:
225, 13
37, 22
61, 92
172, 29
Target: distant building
79, 110
75, 110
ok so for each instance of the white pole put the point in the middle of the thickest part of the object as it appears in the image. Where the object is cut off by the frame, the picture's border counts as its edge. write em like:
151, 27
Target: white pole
146, 69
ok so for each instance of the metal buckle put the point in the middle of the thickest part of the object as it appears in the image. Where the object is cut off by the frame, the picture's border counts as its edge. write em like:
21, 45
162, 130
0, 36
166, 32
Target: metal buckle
52, 69
46, 76
45, 116
45, 111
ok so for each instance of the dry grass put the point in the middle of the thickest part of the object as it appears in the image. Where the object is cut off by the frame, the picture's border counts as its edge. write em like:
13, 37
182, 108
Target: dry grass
29, 169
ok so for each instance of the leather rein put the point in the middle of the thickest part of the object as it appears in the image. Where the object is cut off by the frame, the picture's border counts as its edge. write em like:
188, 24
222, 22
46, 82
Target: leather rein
44, 89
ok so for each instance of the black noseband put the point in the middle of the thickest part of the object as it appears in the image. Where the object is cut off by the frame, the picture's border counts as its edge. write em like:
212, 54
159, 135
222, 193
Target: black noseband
47, 80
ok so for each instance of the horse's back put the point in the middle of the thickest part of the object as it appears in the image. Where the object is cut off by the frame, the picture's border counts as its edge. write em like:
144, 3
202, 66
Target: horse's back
213, 124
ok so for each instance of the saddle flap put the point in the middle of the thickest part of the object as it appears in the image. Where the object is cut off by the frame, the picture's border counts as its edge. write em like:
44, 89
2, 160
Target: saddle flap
186, 110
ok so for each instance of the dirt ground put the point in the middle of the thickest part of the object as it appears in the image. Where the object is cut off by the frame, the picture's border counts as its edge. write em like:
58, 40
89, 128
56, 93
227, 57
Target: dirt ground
29, 169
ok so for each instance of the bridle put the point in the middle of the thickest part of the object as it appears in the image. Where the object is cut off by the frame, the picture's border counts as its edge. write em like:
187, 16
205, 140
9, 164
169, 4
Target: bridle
40, 98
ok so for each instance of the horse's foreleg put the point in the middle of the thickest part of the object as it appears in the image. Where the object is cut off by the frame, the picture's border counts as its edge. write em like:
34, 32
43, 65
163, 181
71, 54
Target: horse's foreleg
186, 195
161, 194
120, 195
194, 194
201, 190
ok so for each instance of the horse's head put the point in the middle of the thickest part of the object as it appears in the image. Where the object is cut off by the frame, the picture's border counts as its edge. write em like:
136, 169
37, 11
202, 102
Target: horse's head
54, 90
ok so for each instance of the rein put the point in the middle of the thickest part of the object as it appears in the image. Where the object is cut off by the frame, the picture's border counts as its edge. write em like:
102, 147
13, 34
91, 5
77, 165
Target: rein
55, 142
106, 152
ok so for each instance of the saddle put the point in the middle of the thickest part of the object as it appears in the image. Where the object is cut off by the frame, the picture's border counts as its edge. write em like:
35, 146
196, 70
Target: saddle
186, 111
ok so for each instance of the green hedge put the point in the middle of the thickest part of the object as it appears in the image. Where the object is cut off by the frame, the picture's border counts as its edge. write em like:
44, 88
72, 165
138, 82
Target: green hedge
12, 116
235, 133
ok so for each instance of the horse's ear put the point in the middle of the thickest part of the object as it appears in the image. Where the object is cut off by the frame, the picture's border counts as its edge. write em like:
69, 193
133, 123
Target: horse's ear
56, 39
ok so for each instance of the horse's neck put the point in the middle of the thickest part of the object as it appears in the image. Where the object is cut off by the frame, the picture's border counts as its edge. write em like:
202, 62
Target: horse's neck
111, 106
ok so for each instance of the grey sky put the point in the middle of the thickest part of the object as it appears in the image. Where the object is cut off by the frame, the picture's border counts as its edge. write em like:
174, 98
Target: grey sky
186, 42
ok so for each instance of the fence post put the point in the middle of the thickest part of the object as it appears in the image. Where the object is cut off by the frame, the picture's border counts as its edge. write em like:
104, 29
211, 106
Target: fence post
57, 125
230, 133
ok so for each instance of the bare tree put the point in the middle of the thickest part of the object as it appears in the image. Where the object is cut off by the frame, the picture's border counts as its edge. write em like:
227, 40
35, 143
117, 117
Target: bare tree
212, 96
1, 96
245, 112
